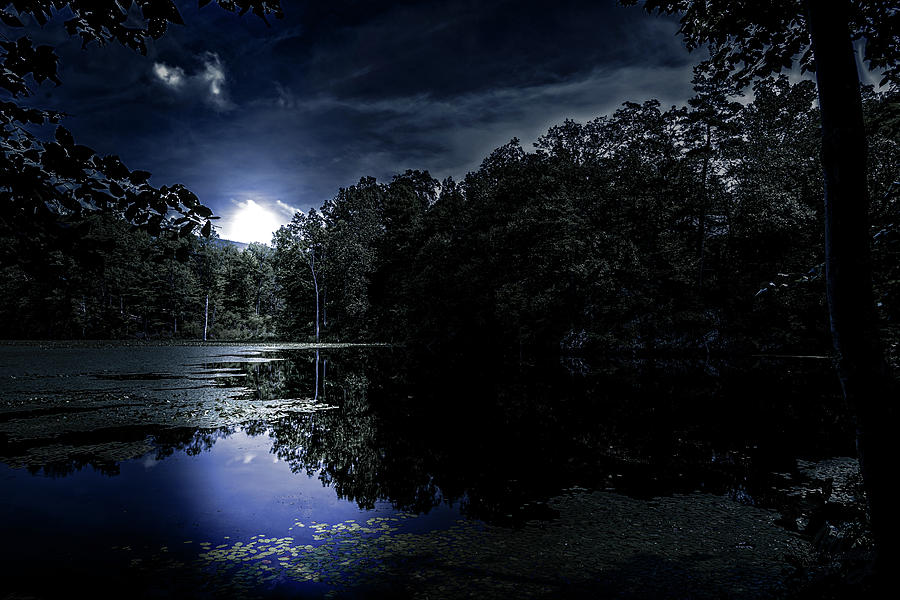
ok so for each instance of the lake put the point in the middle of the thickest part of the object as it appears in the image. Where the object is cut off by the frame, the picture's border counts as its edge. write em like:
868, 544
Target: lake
336, 471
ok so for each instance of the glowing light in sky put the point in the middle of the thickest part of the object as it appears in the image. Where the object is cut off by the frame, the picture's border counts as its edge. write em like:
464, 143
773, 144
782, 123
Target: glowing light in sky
251, 221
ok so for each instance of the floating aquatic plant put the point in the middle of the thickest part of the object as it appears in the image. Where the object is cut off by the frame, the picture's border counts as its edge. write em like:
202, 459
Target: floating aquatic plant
601, 541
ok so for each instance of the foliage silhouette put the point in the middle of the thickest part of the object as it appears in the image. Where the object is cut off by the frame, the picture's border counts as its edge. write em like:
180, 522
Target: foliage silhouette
48, 187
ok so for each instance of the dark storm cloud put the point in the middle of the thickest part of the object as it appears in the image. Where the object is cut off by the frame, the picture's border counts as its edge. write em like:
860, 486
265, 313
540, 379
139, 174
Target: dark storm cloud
344, 89
447, 49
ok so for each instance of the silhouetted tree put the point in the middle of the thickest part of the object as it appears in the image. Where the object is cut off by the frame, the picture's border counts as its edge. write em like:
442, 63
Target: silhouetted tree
764, 38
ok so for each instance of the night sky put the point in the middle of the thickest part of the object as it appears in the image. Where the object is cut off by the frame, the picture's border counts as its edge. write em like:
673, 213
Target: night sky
262, 121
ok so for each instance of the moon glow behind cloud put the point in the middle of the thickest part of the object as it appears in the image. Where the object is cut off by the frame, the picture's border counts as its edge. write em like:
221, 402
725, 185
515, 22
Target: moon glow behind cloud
251, 221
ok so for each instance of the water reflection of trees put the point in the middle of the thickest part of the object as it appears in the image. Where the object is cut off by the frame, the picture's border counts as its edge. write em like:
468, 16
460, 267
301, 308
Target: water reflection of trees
494, 443
347, 449
188, 440
285, 375
418, 434
103, 451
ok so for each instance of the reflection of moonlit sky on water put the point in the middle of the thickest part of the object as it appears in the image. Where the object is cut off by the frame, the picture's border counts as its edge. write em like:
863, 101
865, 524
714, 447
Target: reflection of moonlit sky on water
232, 492
243, 490
237, 489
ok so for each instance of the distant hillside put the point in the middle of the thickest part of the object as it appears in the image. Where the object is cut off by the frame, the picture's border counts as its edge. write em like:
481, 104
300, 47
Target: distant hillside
221, 243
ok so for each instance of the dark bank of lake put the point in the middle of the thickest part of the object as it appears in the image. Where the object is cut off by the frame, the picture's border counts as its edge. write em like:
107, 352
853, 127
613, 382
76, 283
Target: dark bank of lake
293, 471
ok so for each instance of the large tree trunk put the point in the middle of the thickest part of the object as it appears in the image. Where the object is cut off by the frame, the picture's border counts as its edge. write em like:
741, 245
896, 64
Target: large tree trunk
863, 372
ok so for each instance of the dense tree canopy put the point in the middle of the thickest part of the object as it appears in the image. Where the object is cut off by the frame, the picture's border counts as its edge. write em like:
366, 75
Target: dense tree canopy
646, 230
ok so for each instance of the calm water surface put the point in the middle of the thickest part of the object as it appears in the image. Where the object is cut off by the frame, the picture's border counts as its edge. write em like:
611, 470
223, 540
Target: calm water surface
263, 471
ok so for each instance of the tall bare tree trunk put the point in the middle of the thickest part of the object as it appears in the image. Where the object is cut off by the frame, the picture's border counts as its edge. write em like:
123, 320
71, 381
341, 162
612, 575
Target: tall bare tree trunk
206, 318
312, 267
701, 226
865, 378
325, 295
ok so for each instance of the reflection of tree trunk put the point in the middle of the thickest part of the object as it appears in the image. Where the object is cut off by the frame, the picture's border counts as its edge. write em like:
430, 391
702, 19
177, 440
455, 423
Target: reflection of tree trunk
316, 393
206, 318
864, 375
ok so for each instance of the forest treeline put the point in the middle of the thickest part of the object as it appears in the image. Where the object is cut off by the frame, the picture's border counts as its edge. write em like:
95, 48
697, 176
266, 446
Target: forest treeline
697, 227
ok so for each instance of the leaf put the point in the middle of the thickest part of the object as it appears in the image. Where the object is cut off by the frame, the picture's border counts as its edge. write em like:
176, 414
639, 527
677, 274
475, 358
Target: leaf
203, 211
187, 197
139, 177
157, 28
161, 9
82, 153
207, 229
64, 137
113, 167
10, 19
131, 212
116, 189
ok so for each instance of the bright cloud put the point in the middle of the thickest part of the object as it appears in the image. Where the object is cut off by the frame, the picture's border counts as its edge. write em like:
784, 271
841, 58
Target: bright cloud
208, 83
213, 74
171, 76
287, 209
252, 221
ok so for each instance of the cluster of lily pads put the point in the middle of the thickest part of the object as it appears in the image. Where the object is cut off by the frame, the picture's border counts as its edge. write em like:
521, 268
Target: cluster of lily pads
345, 554
600, 541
